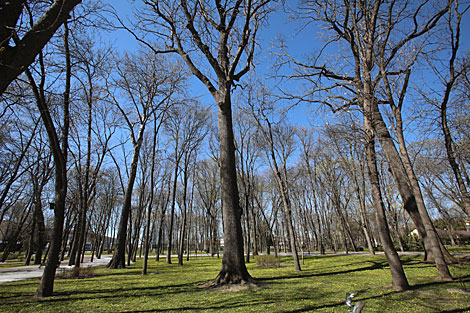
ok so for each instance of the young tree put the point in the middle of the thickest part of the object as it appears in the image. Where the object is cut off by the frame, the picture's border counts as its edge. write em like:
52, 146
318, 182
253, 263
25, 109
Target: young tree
59, 149
148, 83
456, 75
247, 156
278, 139
89, 156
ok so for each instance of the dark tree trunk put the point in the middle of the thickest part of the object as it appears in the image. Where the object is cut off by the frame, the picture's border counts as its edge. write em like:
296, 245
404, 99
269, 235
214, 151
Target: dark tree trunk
417, 212
399, 281
46, 286
173, 202
119, 256
233, 264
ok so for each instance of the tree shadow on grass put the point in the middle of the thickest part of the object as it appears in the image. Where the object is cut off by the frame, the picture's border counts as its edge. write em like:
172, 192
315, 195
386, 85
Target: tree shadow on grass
467, 309
67, 296
203, 308
374, 266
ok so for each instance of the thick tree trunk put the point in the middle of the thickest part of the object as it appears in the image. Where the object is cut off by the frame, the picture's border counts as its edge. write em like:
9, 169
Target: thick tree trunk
399, 173
233, 264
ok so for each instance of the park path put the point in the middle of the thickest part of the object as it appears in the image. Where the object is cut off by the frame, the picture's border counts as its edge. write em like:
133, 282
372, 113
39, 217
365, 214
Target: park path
32, 271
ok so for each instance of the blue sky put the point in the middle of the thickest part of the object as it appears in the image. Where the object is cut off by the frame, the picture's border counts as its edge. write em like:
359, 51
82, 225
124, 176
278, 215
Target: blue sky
300, 43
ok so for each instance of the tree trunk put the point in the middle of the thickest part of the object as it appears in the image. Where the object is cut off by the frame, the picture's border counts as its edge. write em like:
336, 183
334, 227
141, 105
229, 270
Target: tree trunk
119, 256
399, 281
411, 203
46, 286
233, 264
185, 207
173, 202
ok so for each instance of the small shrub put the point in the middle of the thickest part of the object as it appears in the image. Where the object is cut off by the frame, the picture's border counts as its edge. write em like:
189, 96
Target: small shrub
79, 272
268, 261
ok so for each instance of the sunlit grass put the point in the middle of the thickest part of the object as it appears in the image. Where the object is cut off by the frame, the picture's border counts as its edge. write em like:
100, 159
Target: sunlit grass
11, 264
320, 287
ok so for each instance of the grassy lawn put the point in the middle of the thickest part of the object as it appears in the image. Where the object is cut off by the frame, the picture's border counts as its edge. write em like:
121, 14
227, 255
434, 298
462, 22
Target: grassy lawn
11, 264
320, 287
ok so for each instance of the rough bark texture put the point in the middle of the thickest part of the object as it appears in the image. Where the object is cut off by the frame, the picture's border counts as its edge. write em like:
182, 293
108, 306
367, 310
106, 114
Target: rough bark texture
420, 219
233, 264
433, 238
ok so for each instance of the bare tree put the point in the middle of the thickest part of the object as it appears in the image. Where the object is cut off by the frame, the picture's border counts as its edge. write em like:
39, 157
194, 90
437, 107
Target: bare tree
371, 34
279, 146
224, 35
247, 155
147, 82
59, 149
456, 74
95, 123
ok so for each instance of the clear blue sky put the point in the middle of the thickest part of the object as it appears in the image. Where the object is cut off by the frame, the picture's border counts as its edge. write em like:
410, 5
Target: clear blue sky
300, 43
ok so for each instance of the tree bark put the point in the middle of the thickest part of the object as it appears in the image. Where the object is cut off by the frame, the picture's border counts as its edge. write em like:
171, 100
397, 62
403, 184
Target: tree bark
233, 264
399, 281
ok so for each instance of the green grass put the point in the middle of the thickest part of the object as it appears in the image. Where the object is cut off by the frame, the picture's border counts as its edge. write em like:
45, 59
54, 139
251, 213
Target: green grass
320, 287
11, 264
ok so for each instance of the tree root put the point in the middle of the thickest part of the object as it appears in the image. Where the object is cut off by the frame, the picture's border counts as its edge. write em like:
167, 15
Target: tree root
230, 281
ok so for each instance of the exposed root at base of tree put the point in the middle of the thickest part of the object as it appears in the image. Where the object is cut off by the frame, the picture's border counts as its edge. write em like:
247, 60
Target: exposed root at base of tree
230, 282
114, 265
398, 288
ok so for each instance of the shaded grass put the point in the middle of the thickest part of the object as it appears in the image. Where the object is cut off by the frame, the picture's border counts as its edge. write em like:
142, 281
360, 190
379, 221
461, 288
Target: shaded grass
320, 287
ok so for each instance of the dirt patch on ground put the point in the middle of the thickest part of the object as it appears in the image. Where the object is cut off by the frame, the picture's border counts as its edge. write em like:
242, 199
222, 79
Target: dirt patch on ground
461, 291
228, 287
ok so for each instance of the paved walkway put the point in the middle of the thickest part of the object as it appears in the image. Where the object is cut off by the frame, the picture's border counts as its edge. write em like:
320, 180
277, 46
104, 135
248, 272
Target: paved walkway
23, 272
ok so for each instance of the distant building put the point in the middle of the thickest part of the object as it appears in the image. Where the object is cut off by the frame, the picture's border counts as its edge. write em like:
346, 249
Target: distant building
463, 236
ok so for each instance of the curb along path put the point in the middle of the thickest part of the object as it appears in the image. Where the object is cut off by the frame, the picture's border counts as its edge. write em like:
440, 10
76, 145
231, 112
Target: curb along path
24, 272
